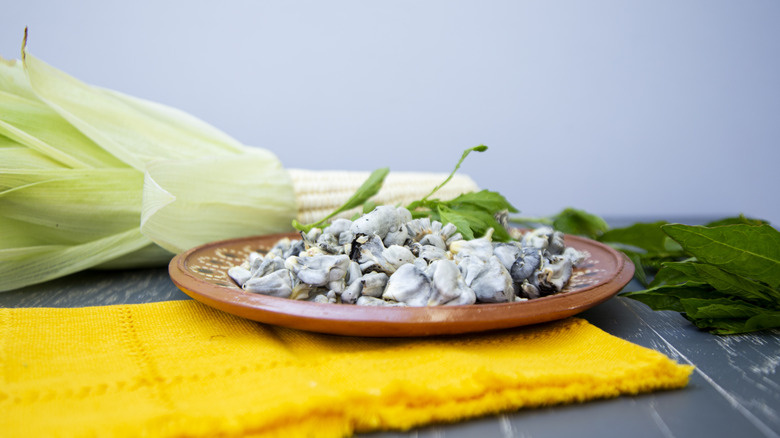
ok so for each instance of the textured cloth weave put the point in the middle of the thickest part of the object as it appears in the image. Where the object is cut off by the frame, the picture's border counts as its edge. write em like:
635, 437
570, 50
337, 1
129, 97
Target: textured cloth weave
183, 369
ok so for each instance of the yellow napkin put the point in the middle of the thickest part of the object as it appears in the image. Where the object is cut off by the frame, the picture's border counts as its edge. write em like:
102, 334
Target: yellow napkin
183, 369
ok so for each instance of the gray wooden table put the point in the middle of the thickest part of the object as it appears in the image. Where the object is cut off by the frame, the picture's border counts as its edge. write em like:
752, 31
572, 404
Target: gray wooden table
734, 391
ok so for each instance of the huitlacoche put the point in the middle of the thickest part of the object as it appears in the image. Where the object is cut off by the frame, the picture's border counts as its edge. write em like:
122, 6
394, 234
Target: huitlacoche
386, 258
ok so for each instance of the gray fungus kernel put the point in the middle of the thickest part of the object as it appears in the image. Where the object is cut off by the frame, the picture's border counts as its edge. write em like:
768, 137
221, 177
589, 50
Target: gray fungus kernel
386, 258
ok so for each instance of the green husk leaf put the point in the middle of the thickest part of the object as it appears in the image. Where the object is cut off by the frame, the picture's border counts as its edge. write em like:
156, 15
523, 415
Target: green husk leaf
13, 80
232, 196
27, 120
14, 156
73, 193
133, 130
746, 250
21, 267
72, 206
149, 256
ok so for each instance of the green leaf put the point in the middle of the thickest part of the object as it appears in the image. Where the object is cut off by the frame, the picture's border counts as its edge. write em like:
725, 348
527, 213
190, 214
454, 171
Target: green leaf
478, 221
639, 272
714, 308
732, 278
763, 321
745, 250
731, 326
741, 219
720, 326
447, 215
480, 148
675, 273
569, 221
579, 222
484, 199
712, 299
500, 234
736, 285
369, 188
669, 297
369, 206
646, 244
431, 212
472, 213
648, 236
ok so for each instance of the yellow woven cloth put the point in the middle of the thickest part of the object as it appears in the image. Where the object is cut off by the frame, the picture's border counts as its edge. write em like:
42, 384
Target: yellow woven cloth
183, 369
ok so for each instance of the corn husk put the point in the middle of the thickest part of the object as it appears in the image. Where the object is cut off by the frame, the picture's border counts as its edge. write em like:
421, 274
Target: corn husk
93, 178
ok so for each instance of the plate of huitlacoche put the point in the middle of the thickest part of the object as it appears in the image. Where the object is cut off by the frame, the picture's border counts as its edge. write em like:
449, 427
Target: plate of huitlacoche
388, 275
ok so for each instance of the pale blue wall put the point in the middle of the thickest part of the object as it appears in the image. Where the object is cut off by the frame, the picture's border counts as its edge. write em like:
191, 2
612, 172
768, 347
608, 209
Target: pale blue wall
619, 108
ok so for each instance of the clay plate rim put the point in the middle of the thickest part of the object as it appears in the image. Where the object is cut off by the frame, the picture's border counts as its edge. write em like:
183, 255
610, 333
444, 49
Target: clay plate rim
610, 270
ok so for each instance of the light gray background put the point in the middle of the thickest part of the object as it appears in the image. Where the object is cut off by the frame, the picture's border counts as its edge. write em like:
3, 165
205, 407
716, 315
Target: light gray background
619, 108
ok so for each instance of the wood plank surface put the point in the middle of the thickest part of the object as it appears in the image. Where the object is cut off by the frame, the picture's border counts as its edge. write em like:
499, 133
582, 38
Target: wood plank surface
734, 391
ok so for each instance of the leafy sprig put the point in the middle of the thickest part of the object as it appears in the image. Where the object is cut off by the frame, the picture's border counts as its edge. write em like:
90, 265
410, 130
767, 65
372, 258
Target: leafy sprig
472, 213
569, 221
723, 276
731, 282
369, 188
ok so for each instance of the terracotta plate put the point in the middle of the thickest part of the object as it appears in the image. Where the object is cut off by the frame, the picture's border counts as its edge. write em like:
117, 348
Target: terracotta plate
202, 274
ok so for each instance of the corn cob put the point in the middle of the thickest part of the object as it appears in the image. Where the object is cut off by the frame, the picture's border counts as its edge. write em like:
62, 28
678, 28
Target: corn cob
319, 192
